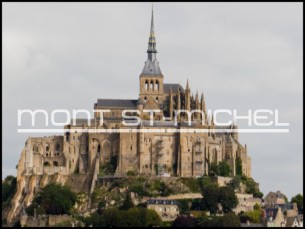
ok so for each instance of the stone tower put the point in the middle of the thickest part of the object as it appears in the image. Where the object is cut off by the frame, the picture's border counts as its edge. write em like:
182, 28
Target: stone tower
151, 78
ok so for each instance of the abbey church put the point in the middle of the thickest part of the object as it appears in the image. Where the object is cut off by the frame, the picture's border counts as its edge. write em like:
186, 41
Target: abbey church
185, 152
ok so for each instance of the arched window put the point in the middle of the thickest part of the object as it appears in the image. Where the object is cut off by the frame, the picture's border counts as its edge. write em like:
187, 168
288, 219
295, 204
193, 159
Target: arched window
57, 147
151, 85
145, 99
47, 148
157, 85
99, 148
146, 85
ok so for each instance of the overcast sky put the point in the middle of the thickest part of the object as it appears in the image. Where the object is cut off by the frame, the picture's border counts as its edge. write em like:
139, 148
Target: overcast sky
241, 55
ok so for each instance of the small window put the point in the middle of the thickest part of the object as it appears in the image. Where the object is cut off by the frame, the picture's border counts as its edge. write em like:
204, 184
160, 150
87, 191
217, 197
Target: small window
47, 148
145, 99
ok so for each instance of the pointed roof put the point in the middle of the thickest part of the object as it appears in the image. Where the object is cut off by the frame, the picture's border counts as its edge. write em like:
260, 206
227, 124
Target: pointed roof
151, 66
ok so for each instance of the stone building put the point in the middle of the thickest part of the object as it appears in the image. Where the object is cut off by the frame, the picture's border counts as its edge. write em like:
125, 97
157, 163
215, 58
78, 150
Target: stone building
175, 144
274, 198
168, 210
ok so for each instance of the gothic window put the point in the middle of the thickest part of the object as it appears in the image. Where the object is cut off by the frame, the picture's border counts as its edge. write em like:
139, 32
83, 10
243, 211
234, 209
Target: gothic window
47, 148
157, 85
99, 148
151, 85
146, 85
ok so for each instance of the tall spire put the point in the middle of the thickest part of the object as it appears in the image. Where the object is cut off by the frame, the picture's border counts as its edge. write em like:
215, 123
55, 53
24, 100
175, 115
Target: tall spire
152, 65
152, 39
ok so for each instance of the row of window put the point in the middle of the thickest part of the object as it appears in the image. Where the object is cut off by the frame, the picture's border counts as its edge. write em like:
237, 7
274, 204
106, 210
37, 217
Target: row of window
152, 85
157, 99
57, 148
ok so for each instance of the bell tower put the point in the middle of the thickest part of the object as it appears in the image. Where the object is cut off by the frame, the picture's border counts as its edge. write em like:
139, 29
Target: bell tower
151, 78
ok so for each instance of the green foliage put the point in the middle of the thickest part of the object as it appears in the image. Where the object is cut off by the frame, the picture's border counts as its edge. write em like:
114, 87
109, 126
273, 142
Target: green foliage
299, 200
254, 216
102, 204
184, 221
192, 184
106, 169
251, 187
133, 217
238, 166
204, 182
213, 195
227, 198
94, 219
8, 190
152, 218
127, 202
235, 182
184, 205
228, 220
53, 199
213, 169
138, 187
131, 173
210, 198
112, 217
162, 188
224, 169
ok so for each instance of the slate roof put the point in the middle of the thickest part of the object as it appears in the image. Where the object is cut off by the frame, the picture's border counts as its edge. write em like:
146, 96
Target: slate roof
120, 103
151, 68
174, 87
156, 201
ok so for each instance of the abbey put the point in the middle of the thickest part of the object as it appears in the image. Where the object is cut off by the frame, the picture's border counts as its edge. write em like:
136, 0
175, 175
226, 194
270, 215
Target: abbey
178, 153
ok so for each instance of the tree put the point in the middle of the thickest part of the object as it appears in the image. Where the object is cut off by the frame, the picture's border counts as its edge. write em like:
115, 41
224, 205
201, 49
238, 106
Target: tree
8, 190
184, 221
229, 220
238, 166
54, 199
95, 220
152, 218
227, 198
210, 198
127, 202
251, 187
299, 200
224, 169
112, 217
